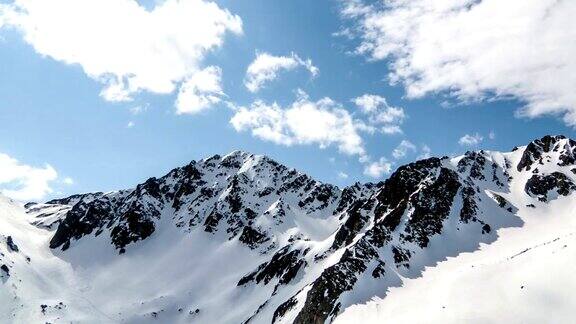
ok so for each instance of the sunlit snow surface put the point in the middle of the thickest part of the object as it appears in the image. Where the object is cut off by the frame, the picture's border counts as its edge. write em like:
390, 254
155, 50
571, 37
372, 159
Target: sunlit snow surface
526, 276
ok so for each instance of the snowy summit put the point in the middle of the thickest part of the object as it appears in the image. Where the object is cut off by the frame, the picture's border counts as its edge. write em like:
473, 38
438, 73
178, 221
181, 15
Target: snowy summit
240, 238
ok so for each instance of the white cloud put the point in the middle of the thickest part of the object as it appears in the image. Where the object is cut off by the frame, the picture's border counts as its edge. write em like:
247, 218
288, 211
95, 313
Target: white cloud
323, 122
342, 175
200, 92
23, 182
130, 124
137, 110
391, 129
492, 135
123, 45
378, 169
470, 140
369, 103
68, 181
403, 148
477, 49
391, 115
265, 68
380, 114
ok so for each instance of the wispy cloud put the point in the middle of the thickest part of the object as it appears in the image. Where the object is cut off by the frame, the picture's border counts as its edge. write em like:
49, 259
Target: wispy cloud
425, 152
266, 68
403, 148
470, 140
378, 168
342, 175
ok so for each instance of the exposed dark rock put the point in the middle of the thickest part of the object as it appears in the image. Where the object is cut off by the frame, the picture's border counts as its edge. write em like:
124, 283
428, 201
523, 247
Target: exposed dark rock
82, 219
211, 222
473, 163
535, 150
353, 224
252, 237
401, 256
392, 220
469, 206
11, 245
135, 227
324, 194
284, 308
322, 297
284, 265
540, 185
403, 183
74, 199
380, 270
431, 206
351, 194
5, 269
30, 204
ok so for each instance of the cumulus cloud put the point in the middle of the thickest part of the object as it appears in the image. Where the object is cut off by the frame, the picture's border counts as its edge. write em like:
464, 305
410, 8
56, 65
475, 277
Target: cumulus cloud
266, 67
403, 148
476, 50
124, 46
380, 114
470, 140
378, 168
200, 92
23, 182
370, 103
323, 122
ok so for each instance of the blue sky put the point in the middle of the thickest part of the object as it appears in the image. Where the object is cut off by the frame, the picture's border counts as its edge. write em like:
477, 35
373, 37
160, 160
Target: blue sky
54, 113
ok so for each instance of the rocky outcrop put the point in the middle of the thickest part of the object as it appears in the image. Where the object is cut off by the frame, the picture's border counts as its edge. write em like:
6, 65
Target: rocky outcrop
11, 245
537, 151
220, 194
540, 186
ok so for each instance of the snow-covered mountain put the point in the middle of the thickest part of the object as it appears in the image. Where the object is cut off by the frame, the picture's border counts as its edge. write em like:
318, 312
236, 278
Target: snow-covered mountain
243, 239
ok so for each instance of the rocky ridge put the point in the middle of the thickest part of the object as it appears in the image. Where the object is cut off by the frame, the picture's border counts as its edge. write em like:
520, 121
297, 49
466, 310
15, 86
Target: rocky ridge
319, 245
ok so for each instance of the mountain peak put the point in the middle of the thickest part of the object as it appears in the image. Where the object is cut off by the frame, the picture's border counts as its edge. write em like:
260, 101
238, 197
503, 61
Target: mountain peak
557, 149
296, 250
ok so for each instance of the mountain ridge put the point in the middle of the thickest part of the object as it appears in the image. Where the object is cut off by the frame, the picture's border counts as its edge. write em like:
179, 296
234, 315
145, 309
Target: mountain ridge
301, 251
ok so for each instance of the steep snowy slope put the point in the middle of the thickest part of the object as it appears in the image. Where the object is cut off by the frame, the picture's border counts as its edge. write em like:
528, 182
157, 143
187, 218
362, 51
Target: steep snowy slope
36, 286
525, 276
241, 238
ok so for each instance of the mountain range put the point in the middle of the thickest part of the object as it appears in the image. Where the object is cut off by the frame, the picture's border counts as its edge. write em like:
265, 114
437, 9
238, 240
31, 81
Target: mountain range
479, 238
